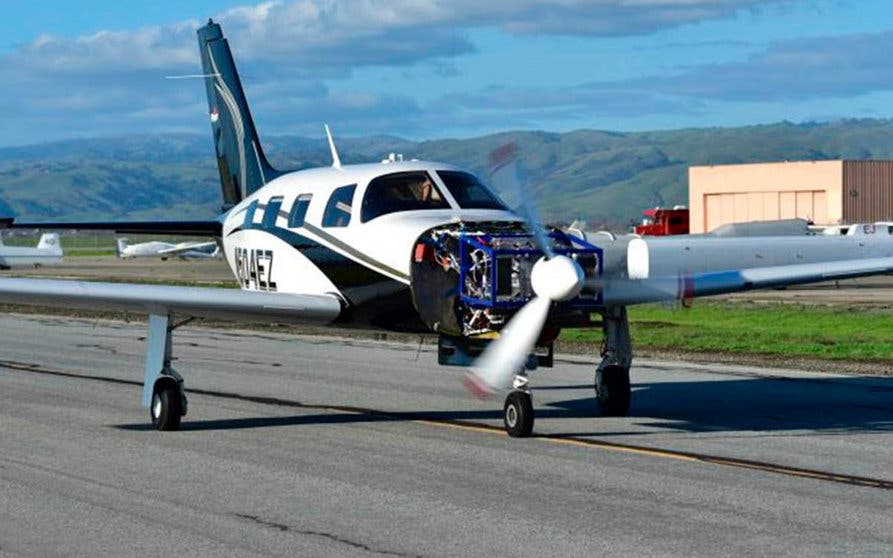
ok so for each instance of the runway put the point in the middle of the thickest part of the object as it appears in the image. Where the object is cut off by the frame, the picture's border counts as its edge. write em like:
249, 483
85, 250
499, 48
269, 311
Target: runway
323, 446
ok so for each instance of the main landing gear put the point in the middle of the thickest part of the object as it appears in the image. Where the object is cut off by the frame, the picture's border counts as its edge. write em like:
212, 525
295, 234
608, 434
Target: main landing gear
163, 391
612, 385
612, 389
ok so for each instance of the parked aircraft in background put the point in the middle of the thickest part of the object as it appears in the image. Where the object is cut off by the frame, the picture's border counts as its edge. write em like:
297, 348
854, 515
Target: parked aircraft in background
426, 247
47, 252
165, 250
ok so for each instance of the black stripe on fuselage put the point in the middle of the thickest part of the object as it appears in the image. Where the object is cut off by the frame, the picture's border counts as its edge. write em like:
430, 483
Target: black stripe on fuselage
344, 272
387, 305
353, 252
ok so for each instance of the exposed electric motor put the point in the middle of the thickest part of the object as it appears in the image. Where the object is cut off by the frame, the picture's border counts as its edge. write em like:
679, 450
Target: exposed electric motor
468, 279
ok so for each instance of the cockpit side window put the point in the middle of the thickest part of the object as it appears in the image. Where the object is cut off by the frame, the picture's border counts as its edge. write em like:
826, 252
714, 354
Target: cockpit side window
401, 191
272, 212
339, 208
469, 192
249, 214
299, 211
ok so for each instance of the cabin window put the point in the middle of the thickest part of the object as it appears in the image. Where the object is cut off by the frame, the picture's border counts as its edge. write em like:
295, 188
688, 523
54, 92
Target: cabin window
402, 191
299, 211
249, 214
469, 192
272, 212
338, 210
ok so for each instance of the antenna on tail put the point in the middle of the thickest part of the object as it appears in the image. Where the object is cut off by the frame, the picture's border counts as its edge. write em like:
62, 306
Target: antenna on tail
336, 160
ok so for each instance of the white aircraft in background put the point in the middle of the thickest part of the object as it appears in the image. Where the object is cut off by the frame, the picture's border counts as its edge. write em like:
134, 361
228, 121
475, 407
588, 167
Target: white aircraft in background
47, 252
165, 250
422, 246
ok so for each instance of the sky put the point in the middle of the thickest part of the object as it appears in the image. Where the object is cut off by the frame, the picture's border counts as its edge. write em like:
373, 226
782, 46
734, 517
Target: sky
428, 69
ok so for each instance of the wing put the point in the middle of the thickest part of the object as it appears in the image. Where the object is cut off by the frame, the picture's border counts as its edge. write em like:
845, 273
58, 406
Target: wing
202, 302
188, 228
655, 289
187, 247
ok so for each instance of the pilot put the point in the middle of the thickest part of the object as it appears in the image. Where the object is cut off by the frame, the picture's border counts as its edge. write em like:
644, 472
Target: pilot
423, 191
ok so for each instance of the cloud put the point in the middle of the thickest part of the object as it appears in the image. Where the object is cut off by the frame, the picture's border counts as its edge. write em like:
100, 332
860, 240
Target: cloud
846, 66
809, 68
328, 33
111, 82
607, 17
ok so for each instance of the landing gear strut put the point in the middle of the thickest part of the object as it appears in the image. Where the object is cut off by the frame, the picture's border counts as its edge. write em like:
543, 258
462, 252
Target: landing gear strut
612, 387
163, 391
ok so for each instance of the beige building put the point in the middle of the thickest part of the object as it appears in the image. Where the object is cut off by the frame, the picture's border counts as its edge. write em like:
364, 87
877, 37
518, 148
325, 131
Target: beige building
825, 192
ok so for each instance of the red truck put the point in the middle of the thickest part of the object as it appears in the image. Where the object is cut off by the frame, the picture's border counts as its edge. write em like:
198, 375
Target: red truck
663, 222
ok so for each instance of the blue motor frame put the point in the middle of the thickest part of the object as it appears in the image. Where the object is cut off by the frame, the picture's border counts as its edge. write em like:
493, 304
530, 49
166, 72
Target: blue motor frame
470, 242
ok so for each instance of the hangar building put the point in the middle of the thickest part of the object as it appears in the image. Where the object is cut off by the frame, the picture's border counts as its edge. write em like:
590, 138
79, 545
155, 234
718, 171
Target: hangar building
837, 192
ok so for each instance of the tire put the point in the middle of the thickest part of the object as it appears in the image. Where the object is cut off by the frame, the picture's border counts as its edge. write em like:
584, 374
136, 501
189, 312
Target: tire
612, 391
518, 414
167, 407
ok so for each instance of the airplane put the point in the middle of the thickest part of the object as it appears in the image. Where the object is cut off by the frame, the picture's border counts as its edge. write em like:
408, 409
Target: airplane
47, 252
165, 250
422, 246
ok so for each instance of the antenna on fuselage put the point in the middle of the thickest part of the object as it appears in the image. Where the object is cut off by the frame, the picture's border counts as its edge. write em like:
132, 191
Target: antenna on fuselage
336, 160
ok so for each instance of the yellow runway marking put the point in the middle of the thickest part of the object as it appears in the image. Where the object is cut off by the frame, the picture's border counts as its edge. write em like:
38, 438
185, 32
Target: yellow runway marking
688, 457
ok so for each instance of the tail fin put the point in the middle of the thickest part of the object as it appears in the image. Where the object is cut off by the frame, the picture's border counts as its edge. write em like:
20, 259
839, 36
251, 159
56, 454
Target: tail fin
50, 241
121, 245
240, 159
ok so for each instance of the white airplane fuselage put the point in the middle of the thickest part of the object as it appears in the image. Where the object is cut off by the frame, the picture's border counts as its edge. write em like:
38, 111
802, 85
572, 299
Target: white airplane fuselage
47, 252
164, 250
357, 261
144, 249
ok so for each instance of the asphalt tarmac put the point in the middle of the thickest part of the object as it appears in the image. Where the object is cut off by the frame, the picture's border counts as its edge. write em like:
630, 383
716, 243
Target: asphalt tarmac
316, 446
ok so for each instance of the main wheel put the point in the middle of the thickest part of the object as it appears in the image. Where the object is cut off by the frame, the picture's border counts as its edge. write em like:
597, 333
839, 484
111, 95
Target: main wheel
167, 406
612, 391
518, 414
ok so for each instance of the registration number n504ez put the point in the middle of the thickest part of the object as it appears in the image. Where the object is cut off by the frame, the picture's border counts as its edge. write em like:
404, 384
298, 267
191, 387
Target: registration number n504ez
254, 269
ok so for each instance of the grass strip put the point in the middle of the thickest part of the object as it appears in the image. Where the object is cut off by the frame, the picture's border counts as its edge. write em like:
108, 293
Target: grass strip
828, 333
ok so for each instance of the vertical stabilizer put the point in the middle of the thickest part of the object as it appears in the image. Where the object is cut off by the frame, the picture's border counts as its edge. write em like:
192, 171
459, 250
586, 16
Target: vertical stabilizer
121, 245
240, 159
50, 242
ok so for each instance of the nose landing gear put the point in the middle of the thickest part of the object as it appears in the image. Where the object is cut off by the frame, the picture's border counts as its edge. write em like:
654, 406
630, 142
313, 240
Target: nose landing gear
518, 414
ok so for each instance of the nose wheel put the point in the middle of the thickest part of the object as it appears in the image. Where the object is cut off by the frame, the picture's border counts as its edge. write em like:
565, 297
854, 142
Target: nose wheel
518, 414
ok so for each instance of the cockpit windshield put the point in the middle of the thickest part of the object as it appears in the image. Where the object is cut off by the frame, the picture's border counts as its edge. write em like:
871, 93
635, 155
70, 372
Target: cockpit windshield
401, 191
469, 192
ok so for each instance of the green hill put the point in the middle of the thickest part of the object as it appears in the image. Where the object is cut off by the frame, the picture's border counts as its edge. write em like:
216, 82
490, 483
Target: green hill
603, 177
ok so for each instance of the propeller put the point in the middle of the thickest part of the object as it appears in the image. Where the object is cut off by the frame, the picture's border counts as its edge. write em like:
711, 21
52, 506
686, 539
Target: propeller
554, 278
